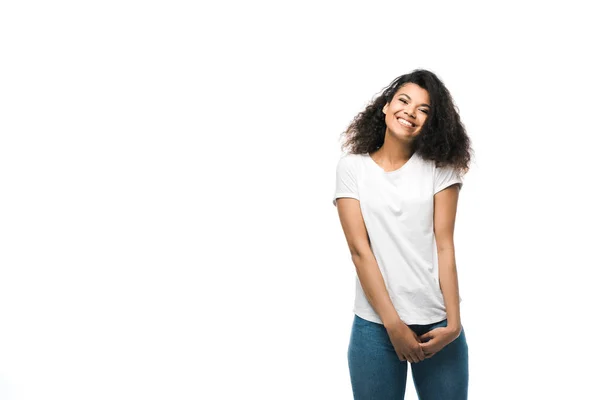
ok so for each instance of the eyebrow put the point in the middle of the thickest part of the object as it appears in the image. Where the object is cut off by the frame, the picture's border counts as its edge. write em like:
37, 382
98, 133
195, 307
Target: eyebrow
424, 104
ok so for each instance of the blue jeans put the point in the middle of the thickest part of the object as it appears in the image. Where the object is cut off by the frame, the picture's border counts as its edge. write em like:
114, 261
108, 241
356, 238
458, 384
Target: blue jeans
377, 373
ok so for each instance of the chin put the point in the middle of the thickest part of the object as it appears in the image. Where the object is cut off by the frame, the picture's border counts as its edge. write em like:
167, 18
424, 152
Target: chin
407, 133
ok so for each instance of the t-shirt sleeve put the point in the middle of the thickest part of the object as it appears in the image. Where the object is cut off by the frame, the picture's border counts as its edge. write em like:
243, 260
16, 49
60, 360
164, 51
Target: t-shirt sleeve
446, 176
345, 179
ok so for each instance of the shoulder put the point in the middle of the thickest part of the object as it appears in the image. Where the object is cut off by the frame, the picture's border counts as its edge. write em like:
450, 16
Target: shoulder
423, 165
350, 160
431, 165
352, 156
424, 161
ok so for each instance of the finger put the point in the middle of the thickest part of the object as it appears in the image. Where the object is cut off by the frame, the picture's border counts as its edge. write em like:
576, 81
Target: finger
434, 332
432, 342
417, 338
418, 355
429, 335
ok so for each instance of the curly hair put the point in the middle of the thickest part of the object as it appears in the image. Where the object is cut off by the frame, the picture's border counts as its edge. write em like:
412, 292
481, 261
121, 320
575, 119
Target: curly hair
443, 137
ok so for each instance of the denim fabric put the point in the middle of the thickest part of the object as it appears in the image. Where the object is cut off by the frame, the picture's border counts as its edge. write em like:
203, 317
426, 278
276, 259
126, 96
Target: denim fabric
376, 372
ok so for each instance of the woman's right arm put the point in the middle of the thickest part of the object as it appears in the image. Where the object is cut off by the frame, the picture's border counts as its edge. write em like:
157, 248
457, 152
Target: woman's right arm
364, 260
372, 281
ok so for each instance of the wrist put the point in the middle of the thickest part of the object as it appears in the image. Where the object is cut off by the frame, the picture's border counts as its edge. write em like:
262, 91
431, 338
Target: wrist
455, 328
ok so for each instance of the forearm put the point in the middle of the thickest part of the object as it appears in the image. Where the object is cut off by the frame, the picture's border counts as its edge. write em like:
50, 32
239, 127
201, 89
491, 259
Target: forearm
449, 286
375, 290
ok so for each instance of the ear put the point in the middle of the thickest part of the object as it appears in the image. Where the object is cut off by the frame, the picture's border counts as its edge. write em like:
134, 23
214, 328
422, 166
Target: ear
385, 108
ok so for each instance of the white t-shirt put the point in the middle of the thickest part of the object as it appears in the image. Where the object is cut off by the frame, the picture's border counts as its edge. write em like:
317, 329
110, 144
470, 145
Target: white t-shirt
397, 209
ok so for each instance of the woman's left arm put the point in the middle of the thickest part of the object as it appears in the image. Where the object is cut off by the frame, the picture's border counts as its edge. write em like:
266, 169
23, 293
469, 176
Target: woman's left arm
444, 216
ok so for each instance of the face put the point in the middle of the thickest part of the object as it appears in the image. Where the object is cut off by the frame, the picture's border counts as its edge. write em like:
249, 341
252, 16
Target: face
406, 113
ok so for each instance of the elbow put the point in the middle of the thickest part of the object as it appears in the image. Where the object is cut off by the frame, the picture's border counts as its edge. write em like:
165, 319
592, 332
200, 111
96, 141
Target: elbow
445, 244
445, 249
358, 252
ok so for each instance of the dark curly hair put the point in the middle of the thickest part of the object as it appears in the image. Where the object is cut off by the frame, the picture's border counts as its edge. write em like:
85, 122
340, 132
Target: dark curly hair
442, 139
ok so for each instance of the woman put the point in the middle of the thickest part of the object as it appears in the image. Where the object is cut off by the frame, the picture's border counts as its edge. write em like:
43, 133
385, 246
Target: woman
396, 195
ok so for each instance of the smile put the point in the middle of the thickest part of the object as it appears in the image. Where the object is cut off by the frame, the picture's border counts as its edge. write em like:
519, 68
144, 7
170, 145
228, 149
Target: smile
406, 123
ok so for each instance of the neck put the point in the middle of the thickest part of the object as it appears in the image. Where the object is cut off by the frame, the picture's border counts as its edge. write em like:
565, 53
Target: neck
394, 153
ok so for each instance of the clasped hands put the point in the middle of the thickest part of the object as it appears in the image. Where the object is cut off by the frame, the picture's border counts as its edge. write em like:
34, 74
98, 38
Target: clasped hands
413, 348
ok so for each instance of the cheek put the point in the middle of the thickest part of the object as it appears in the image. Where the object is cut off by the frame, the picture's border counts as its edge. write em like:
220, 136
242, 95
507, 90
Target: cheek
389, 119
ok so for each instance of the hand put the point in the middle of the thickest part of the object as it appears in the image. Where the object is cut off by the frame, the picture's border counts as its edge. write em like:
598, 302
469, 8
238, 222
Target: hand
406, 343
436, 339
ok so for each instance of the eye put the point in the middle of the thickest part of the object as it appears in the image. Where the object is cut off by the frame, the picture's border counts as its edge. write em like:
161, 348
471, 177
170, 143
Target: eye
425, 111
402, 100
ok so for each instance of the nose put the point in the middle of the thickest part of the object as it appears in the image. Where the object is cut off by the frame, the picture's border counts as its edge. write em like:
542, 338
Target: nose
410, 113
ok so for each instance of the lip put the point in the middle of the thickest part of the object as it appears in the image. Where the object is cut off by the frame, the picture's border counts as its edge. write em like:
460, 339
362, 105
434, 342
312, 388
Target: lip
404, 119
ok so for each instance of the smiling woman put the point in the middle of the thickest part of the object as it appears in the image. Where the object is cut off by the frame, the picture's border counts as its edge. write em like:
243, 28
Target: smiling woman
397, 194
408, 109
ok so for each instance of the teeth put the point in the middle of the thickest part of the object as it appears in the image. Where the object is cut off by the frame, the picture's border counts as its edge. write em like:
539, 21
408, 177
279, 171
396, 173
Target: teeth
404, 122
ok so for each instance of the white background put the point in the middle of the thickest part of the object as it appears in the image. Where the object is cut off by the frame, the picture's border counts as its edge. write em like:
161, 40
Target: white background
167, 172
